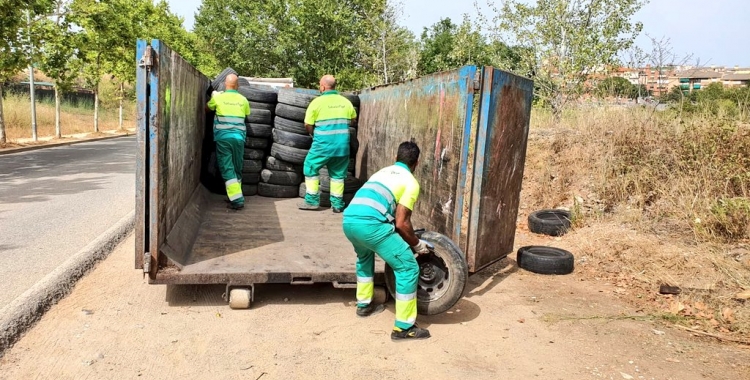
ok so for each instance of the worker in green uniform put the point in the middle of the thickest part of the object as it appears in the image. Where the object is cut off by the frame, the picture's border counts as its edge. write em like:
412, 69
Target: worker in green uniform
229, 133
387, 197
327, 119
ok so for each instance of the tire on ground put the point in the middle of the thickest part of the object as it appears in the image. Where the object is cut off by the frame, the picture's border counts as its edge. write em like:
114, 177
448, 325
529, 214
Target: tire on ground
277, 191
351, 184
250, 178
291, 139
283, 178
253, 154
251, 166
249, 190
545, 260
259, 117
288, 154
549, 222
295, 98
258, 130
292, 126
256, 142
273, 163
457, 271
291, 112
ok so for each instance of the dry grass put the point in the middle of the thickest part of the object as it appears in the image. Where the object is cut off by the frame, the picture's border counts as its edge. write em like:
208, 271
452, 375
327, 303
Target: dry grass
656, 201
17, 112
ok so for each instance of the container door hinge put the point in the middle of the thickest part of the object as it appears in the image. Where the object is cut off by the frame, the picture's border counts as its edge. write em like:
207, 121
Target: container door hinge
147, 60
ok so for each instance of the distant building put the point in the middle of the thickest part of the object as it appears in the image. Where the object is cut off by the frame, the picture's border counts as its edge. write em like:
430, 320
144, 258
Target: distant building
736, 80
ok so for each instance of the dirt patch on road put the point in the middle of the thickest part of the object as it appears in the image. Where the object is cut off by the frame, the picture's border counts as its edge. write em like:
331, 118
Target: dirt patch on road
510, 324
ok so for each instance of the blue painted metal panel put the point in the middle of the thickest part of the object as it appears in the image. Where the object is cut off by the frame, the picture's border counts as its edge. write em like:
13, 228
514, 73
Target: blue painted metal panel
502, 134
141, 161
153, 149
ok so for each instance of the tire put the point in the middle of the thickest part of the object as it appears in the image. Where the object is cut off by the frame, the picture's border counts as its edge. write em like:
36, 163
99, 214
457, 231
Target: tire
273, 163
549, 222
352, 98
289, 154
446, 259
251, 166
545, 260
257, 95
353, 142
253, 154
352, 165
295, 98
291, 139
250, 179
277, 191
351, 184
291, 112
283, 178
249, 190
259, 117
256, 142
258, 130
292, 126
262, 106
218, 82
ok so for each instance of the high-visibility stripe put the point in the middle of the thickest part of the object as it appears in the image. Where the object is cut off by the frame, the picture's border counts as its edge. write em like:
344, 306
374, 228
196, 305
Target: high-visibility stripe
234, 189
337, 187
231, 182
406, 297
381, 190
231, 126
331, 122
231, 119
333, 132
365, 291
364, 279
313, 185
406, 313
371, 203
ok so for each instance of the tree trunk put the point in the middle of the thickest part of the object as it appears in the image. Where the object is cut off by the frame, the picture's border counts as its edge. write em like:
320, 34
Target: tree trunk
96, 109
385, 59
3, 139
58, 132
122, 90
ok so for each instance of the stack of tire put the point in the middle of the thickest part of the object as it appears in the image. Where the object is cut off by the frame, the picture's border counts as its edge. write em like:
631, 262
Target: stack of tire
351, 184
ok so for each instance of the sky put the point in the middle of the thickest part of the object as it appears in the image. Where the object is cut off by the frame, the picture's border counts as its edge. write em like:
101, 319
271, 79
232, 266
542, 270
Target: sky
716, 31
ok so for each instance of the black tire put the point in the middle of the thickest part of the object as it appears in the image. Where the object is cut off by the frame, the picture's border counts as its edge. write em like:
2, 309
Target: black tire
292, 126
218, 82
291, 112
258, 130
451, 272
289, 154
549, 222
351, 184
353, 142
249, 190
262, 106
277, 191
259, 117
352, 165
352, 98
242, 82
273, 163
283, 178
291, 139
253, 154
257, 95
545, 260
250, 178
256, 142
295, 98
251, 166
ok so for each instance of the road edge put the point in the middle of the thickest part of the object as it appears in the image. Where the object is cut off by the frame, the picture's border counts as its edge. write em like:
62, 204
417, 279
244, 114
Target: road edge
23, 312
59, 144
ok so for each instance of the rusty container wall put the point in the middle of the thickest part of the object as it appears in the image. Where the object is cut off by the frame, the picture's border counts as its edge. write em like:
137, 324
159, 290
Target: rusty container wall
435, 111
502, 133
178, 95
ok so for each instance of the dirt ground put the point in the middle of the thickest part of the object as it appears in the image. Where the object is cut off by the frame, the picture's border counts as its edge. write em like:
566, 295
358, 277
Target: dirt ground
511, 324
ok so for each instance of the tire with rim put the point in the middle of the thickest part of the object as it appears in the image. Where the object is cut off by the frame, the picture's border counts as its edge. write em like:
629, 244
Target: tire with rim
295, 98
258, 130
251, 166
283, 178
292, 126
218, 82
277, 191
549, 222
291, 112
545, 260
273, 163
253, 154
291, 139
442, 275
262, 106
259, 117
249, 190
256, 142
289, 154
257, 95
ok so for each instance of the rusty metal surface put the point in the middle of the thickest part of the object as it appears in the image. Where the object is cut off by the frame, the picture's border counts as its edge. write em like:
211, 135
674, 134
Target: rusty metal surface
435, 111
141, 163
505, 112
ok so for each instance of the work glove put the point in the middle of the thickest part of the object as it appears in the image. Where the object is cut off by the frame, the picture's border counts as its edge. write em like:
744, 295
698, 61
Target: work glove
422, 248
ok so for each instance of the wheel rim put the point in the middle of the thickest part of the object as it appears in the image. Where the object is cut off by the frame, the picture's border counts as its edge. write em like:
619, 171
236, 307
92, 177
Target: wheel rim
434, 277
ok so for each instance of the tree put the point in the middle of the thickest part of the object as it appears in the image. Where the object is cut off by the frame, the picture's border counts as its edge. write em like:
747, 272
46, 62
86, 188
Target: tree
616, 86
394, 57
566, 41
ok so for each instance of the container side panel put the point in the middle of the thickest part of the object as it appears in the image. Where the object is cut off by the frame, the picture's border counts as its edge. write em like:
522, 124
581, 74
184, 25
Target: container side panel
141, 163
499, 164
434, 111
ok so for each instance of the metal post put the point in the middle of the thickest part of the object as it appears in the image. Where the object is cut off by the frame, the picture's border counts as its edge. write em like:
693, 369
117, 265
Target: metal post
31, 79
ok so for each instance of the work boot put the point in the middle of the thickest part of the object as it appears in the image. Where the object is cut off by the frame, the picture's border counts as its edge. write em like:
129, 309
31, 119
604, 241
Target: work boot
337, 210
235, 206
307, 206
369, 310
412, 332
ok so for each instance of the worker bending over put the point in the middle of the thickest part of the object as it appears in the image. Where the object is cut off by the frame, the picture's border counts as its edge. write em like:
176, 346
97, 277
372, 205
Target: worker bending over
229, 133
387, 197
327, 119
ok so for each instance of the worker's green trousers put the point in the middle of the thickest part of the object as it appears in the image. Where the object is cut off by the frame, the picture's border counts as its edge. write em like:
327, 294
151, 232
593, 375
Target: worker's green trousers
337, 167
229, 156
369, 239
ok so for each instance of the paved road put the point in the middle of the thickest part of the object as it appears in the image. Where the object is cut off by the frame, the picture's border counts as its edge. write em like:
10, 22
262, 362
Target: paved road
55, 201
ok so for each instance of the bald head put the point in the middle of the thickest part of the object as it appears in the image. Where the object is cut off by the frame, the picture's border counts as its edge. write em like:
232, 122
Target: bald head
231, 82
328, 82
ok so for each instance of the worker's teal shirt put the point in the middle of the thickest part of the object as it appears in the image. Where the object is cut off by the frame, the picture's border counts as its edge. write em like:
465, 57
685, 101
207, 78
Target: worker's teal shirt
231, 109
